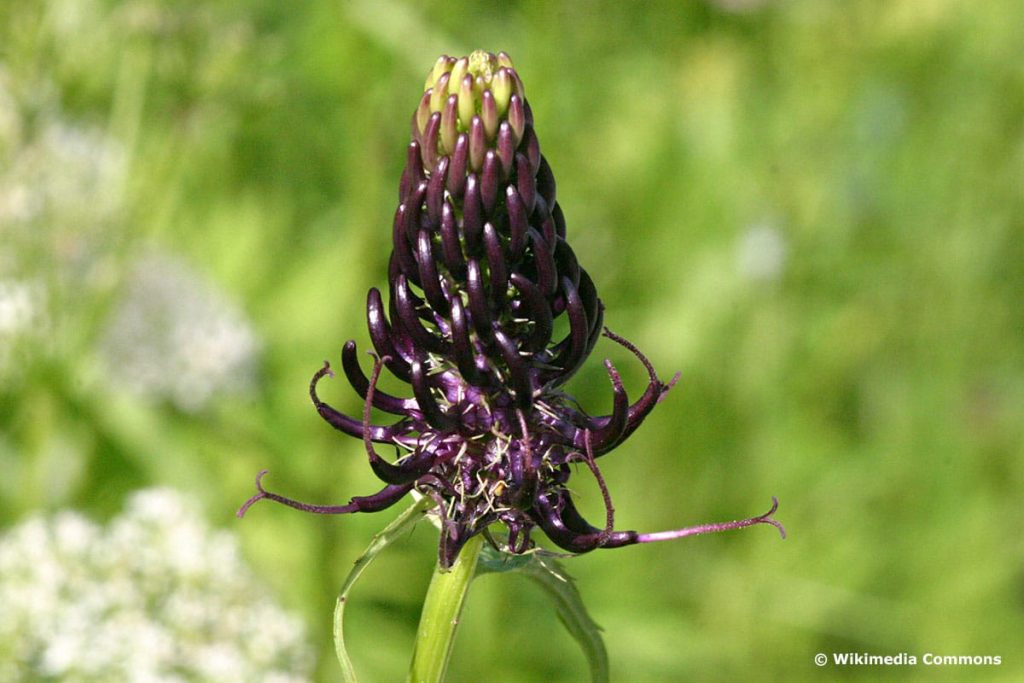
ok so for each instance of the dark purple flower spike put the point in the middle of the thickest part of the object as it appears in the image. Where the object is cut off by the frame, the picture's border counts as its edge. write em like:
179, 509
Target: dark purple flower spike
480, 271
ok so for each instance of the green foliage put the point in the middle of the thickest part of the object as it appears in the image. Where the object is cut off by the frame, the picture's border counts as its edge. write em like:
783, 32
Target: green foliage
813, 209
380, 542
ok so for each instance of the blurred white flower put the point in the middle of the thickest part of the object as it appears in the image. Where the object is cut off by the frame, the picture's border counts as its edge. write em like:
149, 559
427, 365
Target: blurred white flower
175, 336
61, 182
155, 595
761, 253
23, 320
19, 307
61, 191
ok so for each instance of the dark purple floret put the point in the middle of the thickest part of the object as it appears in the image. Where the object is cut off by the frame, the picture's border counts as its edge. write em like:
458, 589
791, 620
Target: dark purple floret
480, 272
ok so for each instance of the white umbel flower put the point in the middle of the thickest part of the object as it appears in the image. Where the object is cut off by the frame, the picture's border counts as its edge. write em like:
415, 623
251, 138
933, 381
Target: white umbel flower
175, 336
153, 596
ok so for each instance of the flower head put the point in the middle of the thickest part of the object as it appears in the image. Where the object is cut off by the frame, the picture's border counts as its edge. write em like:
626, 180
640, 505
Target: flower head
480, 271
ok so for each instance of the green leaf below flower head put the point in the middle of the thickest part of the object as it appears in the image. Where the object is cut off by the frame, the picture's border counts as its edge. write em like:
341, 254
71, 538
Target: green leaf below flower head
560, 588
496, 562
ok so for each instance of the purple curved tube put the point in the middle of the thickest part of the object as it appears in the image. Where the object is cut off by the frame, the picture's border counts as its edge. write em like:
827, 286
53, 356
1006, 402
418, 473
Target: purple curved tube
537, 310
546, 182
361, 383
413, 173
532, 146
426, 401
380, 335
479, 312
430, 281
383, 499
549, 518
435, 192
451, 249
462, 345
525, 182
506, 148
518, 224
496, 265
490, 177
543, 263
450, 123
401, 252
573, 352
459, 166
489, 113
473, 217
611, 431
410, 321
565, 261
413, 211
519, 374
350, 425
517, 117
477, 144
429, 141
559, 218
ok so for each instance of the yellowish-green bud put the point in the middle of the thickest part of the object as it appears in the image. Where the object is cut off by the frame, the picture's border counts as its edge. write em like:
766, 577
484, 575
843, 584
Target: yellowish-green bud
458, 73
502, 89
478, 99
467, 105
483, 84
444, 64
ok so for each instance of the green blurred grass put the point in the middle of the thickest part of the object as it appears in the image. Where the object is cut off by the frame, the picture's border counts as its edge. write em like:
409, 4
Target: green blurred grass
874, 383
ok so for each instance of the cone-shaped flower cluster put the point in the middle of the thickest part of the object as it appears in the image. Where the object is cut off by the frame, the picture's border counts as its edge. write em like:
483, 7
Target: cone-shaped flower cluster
480, 274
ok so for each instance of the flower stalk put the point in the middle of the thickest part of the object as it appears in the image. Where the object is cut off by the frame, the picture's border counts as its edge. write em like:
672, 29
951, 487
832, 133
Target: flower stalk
442, 610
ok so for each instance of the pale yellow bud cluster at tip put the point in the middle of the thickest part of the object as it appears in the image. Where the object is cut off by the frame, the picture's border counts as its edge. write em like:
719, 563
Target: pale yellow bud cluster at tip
474, 96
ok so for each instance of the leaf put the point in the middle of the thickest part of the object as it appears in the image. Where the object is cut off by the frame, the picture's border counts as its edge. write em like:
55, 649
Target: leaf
383, 539
560, 588
495, 562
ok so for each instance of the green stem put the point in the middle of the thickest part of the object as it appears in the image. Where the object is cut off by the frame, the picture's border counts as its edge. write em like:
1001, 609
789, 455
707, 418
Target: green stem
442, 609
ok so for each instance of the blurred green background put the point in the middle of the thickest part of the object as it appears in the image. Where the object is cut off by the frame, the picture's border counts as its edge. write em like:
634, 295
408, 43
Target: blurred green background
813, 209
